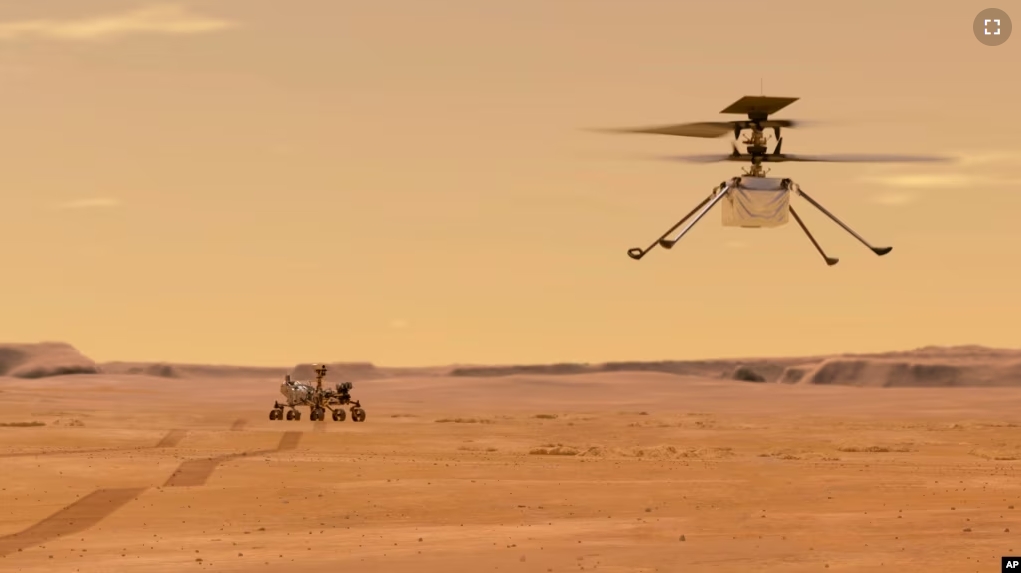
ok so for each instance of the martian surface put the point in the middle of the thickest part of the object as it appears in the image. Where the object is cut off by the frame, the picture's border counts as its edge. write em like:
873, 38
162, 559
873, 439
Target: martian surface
897, 462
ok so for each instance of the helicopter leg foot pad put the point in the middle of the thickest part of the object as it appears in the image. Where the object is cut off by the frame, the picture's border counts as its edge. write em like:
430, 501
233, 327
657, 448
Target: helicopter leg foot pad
637, 254
880, 251
830, 261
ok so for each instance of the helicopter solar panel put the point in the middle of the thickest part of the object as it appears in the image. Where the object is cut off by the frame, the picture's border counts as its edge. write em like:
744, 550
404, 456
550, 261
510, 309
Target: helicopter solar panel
759, 104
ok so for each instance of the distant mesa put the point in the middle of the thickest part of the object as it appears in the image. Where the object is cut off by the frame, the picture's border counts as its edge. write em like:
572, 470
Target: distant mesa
488, 371
746, 374
167, 370
991, 369
794, 374
749, 370
339, 371
43, 360
336, 371
160, 370
931, 366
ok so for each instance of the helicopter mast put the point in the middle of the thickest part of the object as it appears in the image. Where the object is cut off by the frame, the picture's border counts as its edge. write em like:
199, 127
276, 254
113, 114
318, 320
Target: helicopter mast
756, 148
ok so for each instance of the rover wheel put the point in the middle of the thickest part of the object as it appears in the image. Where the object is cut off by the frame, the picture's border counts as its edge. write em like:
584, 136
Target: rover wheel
313, 414
290, 414
297, 415
273, 414
339, 415
357, 415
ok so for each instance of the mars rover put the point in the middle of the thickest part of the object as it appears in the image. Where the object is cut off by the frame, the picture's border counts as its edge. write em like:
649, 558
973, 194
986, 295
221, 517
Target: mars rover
317, 398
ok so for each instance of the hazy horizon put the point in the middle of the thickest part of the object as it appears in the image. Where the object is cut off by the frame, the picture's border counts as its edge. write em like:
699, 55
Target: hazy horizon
355, 360
253, 183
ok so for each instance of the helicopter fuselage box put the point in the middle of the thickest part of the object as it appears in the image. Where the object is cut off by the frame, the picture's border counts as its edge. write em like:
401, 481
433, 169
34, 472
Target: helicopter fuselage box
756, 202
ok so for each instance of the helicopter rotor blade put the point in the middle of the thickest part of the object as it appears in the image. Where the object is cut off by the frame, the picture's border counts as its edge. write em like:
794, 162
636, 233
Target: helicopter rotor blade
709, 129
776, 124
715, 158
786, 157
856, 158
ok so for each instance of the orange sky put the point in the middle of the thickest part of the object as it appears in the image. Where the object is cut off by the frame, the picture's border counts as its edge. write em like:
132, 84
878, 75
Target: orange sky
268, 182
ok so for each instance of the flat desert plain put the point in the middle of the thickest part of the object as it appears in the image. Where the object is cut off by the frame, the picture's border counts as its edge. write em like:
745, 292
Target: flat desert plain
601, 471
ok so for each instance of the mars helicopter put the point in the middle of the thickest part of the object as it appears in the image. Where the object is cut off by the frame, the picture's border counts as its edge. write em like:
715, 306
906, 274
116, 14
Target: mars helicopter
318, 400
754, 200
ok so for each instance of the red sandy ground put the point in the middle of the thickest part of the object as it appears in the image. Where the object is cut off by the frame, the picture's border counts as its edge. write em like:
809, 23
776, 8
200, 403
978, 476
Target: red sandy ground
625, 472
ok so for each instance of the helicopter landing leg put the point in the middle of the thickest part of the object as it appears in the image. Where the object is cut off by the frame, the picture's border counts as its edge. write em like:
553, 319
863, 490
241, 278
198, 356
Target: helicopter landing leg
637, 253
829, 260
669, 243
877, 250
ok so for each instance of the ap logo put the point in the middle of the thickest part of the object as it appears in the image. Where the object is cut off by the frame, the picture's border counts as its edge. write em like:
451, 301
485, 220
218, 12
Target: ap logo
1010, 564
